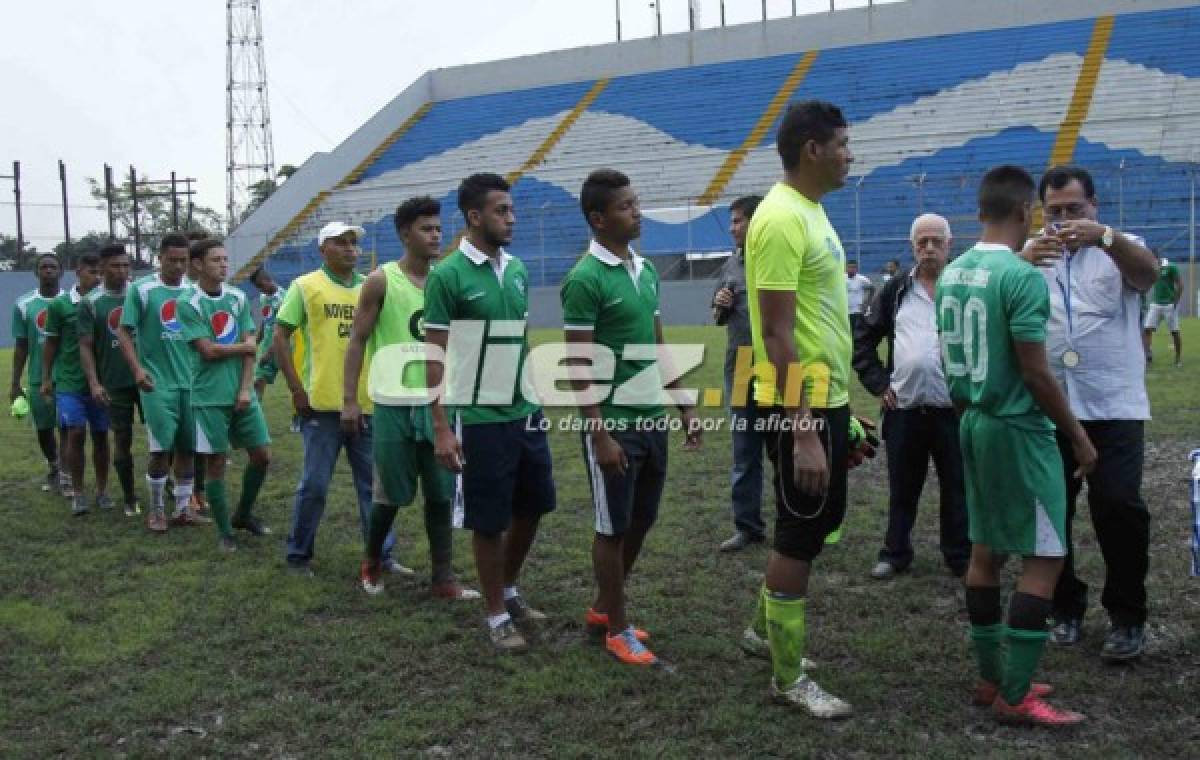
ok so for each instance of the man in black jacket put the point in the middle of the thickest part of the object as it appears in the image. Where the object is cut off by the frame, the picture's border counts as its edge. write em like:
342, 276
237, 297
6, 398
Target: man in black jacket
918, 419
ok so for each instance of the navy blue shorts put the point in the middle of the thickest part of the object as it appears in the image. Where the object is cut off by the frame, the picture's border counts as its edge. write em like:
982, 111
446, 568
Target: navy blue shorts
80, 409
508, 472
619, 499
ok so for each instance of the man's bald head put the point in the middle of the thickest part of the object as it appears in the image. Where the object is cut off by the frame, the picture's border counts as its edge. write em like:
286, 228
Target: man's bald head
931, 239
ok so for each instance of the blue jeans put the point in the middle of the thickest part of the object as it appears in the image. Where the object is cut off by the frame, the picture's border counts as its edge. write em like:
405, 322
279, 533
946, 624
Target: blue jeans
747, 474
323, 440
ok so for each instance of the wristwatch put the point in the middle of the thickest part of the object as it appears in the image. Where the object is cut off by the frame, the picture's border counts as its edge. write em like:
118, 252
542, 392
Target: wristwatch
1106, 240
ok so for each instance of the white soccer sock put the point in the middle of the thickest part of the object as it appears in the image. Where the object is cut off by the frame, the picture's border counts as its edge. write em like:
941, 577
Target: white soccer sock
158, 487
510, 592
183, 494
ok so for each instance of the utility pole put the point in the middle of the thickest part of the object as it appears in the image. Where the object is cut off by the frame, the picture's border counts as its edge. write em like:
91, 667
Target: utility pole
250, 153
137, 227
174, 204
108, 197
16, 178
618, 20
62, 178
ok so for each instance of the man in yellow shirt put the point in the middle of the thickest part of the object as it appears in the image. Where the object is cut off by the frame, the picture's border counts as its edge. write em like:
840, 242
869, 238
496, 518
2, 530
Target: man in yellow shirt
802, 344
320, 305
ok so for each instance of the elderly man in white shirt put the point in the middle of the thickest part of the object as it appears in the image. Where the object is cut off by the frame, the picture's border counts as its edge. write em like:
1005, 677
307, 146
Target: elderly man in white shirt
918, 419
1096, 275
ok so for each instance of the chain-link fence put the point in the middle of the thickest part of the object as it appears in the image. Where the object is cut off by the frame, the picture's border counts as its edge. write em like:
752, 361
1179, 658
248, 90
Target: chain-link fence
872, 215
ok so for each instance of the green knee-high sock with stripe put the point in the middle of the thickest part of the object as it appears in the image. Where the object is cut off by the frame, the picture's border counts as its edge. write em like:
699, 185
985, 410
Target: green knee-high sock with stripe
379, 522
987, 642
218, 502
1026, 635
252, 480
786, 636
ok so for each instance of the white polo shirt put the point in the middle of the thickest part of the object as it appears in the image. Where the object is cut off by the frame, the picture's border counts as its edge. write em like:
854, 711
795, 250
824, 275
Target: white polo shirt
1096, 314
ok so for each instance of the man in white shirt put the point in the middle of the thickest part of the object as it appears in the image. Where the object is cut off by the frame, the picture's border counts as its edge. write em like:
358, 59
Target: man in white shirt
1096, 275
918, 419
857, 292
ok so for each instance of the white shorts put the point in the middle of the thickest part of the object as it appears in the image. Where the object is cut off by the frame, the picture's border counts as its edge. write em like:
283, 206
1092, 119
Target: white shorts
1157, 312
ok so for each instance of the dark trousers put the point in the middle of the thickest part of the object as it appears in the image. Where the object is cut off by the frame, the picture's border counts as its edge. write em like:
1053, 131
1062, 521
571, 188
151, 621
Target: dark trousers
1120, 518
747, 474
911, 437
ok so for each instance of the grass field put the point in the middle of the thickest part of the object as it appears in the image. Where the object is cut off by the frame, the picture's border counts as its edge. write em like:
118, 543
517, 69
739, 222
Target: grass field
116, 642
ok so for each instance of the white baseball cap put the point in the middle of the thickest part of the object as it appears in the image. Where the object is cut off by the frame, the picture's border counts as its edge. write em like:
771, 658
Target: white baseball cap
337, 229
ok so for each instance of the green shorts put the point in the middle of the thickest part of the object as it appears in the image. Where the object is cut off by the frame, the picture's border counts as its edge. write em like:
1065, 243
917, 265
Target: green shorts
42, 412
266, 370
1016, 495
122, 403
403, 452
219, 428
168, 416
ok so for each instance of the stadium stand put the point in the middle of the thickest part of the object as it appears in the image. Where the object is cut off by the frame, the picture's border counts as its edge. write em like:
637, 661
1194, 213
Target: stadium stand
1119, 93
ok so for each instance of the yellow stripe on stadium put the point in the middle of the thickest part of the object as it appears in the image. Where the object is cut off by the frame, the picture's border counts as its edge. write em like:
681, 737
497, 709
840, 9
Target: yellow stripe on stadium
734, 160
355, 173
1081, 98
568, 121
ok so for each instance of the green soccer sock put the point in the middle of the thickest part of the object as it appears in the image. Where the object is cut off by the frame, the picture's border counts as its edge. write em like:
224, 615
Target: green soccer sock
1024, 651
379, 522
987, 642
785, 635
252, 480
758, 623
218, 502
440, 532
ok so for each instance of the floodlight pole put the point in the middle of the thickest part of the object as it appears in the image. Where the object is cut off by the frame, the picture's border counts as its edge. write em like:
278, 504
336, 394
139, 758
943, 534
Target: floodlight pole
657, 16
618, 4
137, 232
174, 204
764, 7
722, 13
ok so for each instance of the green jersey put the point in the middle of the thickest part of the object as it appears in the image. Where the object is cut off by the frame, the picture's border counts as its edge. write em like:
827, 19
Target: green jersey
224, 319
151, 311
29, 324
489, 296
268, 307
100, 316
791, 247
618, 301
397, 340
1166, 287
62, 321
986, 299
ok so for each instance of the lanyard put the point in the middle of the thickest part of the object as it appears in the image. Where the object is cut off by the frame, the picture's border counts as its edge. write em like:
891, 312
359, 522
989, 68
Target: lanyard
1066, 292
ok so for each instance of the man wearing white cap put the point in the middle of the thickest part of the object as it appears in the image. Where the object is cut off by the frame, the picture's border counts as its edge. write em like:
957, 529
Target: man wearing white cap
320, 305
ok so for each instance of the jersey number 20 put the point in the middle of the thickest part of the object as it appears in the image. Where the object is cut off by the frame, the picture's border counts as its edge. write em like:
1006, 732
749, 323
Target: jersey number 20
966, 328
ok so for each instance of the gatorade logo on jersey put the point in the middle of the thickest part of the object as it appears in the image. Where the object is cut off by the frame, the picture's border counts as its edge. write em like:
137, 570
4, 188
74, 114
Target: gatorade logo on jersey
416, 324
169, 317
224, 327
114, 321
40, 321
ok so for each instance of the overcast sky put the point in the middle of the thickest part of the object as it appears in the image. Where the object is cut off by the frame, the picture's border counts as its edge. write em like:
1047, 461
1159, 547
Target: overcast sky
142, 82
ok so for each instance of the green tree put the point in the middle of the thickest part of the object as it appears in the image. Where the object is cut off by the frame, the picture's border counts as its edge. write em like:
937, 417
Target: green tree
261, 190
91, 242
153, 215
10, 257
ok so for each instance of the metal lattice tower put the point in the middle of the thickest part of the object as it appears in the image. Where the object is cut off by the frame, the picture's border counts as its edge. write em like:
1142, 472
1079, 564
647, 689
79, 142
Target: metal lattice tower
249, 151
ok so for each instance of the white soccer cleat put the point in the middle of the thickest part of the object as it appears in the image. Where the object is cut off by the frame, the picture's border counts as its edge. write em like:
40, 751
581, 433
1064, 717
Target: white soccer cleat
804, 692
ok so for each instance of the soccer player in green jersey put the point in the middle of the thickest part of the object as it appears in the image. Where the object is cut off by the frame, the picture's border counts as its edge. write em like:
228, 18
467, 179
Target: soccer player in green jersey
152, 342
270, 296
610, 300
992, 309
62, 377
477, 300
800, 329
388, 329
217, 322
108, 376
1164, 307
28, 331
